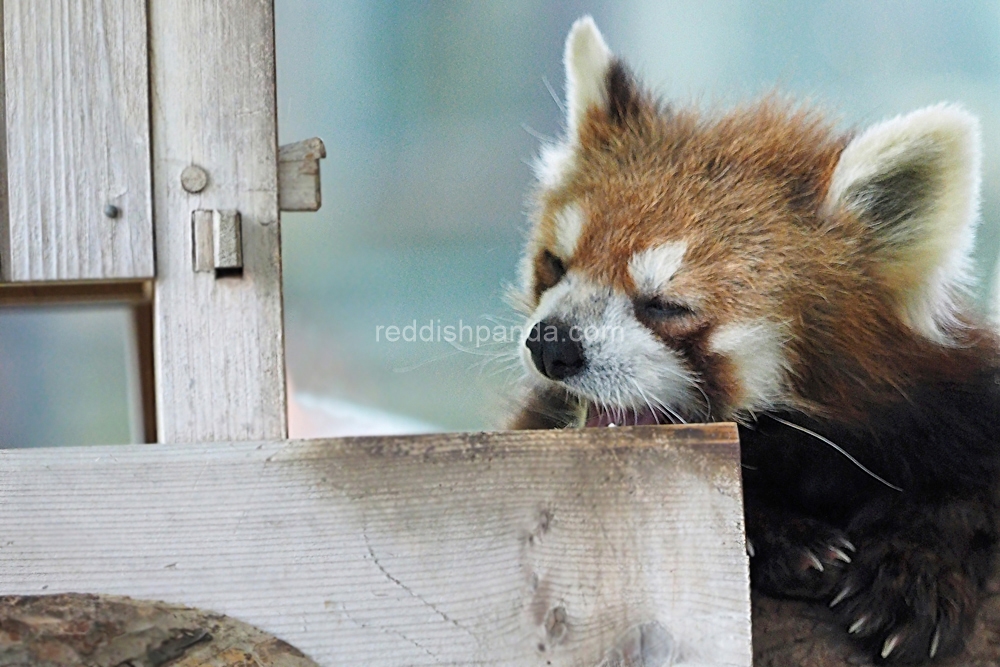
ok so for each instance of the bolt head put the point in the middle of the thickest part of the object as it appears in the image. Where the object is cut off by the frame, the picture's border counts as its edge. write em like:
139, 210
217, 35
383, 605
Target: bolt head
112, 211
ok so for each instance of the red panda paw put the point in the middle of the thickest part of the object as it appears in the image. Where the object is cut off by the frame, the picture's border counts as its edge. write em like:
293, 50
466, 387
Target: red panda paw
799, 558
906, 602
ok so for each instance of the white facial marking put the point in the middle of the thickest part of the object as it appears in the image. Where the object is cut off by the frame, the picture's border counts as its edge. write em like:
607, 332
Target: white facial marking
569, 225
552, 165
652, 269
756, 350
627, 366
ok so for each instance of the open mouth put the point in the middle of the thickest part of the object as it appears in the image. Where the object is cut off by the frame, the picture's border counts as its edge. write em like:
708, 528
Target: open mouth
604, 417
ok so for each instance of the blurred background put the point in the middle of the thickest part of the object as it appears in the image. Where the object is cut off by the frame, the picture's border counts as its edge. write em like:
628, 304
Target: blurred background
431, 113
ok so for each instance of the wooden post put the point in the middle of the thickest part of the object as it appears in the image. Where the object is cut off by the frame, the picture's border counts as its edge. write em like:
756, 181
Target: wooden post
580, 547
220, 370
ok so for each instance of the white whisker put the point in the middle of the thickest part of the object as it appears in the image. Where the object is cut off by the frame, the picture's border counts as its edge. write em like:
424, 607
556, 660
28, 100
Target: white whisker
537, 135
555, 96
836, 447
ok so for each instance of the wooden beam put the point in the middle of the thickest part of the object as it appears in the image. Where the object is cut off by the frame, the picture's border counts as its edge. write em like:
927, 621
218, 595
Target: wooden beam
219, 346
77, 141
582, 547
132, 292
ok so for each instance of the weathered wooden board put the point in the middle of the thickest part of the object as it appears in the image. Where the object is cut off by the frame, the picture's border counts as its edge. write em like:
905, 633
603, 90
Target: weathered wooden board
4, 208
77, 136
583, 547
219, 346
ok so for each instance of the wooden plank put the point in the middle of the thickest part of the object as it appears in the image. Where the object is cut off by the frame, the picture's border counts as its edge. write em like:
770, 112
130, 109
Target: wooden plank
77, 133
583, 547
299, 187
220, 369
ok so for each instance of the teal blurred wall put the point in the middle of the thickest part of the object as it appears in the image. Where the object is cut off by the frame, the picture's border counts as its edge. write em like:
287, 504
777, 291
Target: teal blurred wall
428, 110
63, 376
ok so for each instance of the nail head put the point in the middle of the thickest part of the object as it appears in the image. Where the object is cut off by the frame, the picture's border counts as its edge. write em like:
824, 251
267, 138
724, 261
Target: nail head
111, 211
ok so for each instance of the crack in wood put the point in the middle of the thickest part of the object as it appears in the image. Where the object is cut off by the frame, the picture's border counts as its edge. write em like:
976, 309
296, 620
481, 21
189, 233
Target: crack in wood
431, 605
388, 631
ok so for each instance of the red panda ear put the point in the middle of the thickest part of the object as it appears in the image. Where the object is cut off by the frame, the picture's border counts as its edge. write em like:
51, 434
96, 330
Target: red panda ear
914, 182
595, 79
588, 60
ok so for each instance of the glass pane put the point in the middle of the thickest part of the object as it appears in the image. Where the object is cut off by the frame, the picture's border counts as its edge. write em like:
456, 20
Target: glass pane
430, 113
63, 376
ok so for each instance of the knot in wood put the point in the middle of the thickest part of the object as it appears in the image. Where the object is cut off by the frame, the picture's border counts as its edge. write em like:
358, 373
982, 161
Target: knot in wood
555, 624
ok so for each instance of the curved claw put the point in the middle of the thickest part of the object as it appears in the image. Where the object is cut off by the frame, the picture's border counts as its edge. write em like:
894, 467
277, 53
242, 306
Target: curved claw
935, 641
840, 596
840, 555
847, 544
890, 645
814, 562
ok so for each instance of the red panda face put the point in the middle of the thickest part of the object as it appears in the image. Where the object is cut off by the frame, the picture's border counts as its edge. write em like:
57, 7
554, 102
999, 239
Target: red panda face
655, 252
684, 268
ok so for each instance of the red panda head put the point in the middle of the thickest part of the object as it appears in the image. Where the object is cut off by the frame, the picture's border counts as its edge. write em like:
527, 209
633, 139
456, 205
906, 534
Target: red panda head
682, 267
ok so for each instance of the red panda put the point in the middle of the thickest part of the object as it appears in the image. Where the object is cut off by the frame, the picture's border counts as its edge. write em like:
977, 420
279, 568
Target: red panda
810, 284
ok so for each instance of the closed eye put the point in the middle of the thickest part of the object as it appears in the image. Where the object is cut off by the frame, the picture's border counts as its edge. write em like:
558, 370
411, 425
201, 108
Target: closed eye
656, 309
549, 270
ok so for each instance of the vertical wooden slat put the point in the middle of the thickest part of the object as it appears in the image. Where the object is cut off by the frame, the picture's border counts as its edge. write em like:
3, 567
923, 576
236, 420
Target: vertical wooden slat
4, 215
77, 133
218, 340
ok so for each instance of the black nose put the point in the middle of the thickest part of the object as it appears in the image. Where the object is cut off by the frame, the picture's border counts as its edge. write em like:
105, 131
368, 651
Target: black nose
557, 353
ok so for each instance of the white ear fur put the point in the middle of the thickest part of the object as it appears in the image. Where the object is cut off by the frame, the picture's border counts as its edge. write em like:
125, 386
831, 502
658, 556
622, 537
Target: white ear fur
587, 58
914, 180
